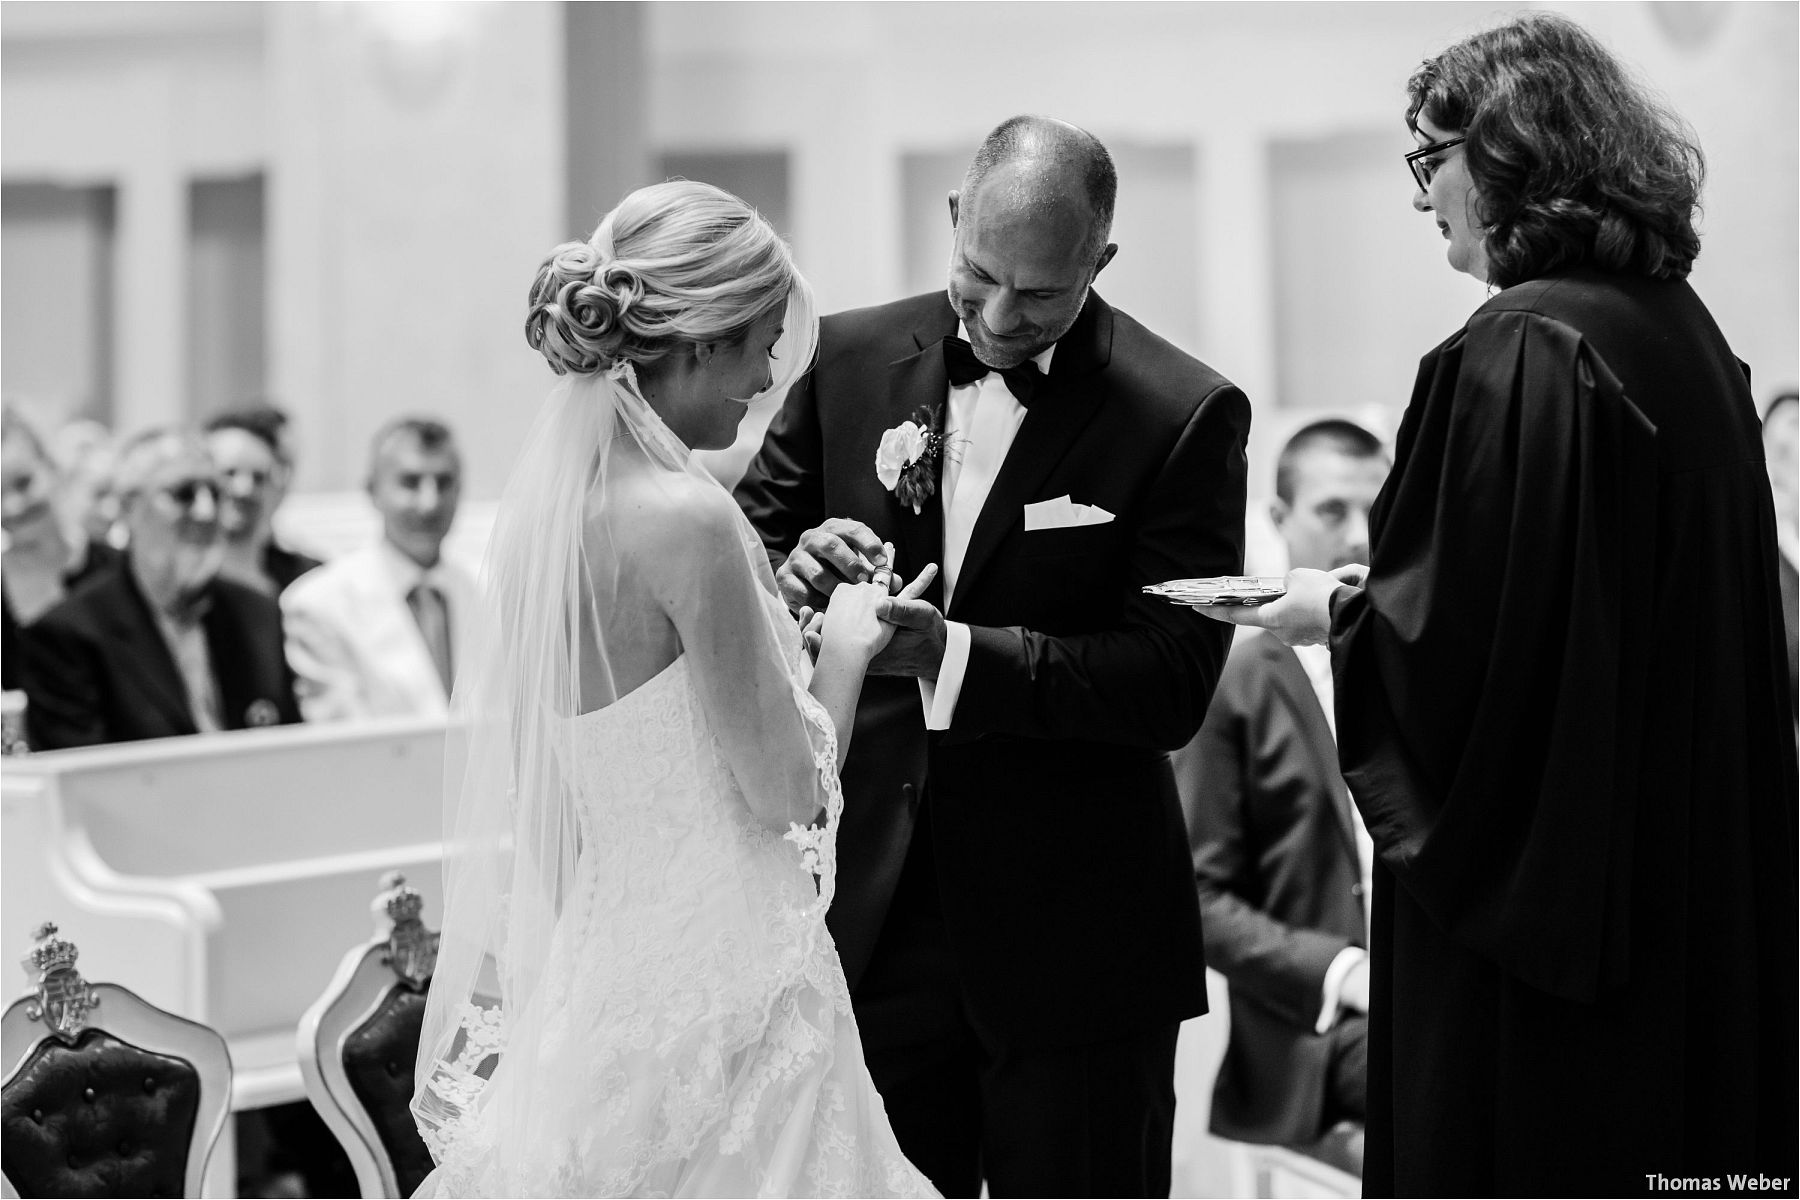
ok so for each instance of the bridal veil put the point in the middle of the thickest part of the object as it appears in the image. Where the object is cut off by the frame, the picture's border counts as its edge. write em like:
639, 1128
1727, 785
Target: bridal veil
568, 632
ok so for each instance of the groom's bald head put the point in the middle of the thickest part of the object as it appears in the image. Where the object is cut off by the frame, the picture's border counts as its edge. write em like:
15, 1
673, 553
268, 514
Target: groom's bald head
1032, 221
1052, 166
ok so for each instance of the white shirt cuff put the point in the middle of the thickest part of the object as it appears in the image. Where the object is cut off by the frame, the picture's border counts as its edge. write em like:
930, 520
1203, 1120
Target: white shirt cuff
940, 697
1335, 975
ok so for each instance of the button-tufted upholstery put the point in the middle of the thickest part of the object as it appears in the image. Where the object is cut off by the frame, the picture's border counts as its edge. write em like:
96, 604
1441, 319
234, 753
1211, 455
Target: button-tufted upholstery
357, 1044
378, 1059
99, 1118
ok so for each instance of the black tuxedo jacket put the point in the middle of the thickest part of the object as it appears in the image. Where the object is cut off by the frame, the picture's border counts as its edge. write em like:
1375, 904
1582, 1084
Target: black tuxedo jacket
1062, 858
284, 565
1274, 851
97, 669
99, 558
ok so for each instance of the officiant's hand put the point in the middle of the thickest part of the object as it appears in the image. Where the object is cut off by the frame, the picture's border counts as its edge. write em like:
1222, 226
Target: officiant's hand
838, 551
1303, 616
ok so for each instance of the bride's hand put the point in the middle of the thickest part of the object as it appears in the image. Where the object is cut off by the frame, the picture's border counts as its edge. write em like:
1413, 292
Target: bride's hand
852, 622
853, 614
812, 630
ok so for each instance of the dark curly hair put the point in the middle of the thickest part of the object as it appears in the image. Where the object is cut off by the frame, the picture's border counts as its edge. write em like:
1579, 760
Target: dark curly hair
1572, 160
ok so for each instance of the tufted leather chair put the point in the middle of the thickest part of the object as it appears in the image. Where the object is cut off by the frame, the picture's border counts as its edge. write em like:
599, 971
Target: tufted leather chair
359, 1041
104, 1093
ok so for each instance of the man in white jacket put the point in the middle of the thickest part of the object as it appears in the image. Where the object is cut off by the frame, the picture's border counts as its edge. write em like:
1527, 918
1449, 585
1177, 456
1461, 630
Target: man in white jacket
375, 633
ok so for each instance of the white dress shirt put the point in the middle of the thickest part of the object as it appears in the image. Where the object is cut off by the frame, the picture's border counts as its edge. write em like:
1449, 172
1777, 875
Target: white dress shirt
186, 639
981, 420
1316, 661
354, 642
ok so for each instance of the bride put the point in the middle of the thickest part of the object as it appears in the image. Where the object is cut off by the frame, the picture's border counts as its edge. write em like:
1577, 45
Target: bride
635, 992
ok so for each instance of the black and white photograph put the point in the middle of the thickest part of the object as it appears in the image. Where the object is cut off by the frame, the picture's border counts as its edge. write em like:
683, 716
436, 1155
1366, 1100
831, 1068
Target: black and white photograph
915, 598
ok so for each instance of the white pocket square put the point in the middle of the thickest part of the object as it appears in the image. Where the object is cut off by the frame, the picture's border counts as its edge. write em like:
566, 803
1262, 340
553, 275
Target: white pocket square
1063, 513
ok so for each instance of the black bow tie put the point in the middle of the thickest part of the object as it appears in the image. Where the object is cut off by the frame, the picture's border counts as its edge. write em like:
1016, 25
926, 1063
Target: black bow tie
964, 368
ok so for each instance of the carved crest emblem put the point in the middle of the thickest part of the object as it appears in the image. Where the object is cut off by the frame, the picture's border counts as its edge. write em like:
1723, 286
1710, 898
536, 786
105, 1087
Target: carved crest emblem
64, 998
412, 948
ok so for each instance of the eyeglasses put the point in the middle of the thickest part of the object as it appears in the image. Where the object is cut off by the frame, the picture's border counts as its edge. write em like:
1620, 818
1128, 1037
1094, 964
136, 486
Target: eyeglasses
1422, 170
183, 495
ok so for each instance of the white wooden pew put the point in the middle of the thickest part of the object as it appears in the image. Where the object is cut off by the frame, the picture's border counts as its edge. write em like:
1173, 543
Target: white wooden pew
223, 876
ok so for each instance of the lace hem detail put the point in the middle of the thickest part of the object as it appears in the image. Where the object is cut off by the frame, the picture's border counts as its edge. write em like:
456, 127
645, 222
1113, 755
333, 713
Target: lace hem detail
747, 1108
818, 844
448, 1107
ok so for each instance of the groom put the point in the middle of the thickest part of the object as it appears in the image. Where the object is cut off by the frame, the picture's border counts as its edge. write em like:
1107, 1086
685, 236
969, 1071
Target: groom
1015, 905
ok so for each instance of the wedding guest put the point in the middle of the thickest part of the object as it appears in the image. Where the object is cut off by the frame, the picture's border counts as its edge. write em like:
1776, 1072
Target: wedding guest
47, 551
247, 450
1016, 913
1281, 857
272, 423
1560, 698
86, 455
374, 632
161, 645
1781, 447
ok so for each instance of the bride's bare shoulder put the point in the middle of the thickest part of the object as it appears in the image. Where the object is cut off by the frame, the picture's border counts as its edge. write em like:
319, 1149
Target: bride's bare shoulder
661, 516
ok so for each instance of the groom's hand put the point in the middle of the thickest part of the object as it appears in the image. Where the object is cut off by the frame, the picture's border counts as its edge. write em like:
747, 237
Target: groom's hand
917, 648
839, 551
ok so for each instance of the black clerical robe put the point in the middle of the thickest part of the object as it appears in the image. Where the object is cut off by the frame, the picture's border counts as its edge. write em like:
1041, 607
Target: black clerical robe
1561, 708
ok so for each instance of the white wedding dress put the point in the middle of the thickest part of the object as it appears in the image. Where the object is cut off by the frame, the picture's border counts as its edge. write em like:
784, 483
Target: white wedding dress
690, 1030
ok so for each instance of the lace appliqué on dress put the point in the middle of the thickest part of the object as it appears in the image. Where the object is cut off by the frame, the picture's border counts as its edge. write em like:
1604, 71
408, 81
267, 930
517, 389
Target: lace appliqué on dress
809, 838
457, 1084
696, 1035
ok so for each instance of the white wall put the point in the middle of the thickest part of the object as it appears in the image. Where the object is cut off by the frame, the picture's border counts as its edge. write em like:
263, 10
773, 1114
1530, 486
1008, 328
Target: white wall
415, 174
1293, 116
416, 167
145, 97
55, 276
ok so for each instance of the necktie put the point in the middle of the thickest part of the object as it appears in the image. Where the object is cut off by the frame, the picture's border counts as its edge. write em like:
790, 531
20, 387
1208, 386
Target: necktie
964, 368
428, 609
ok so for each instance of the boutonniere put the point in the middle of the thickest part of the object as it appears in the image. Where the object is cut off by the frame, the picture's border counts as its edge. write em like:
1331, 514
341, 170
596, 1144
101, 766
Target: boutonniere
910, 454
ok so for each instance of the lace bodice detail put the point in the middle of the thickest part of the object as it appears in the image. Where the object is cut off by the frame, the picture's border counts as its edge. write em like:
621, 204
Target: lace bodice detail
648, 763
669, 845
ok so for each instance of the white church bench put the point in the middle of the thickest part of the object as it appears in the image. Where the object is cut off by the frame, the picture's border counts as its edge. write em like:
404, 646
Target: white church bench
222, 876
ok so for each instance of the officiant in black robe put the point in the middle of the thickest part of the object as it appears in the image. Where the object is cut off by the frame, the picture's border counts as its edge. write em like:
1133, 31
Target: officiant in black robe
1559, 696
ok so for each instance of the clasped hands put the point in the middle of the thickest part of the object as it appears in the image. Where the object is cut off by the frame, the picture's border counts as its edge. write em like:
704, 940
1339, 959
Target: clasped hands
846, 551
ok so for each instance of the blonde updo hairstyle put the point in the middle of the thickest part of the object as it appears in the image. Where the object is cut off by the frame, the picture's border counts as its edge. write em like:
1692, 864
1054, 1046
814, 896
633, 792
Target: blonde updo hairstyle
675, 264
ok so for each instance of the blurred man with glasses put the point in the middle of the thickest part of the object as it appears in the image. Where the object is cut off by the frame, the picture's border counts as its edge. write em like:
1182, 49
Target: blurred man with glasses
165, 646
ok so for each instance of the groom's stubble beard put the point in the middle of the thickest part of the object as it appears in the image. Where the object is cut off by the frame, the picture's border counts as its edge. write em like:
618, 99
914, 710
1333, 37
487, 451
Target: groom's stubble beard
1003, 353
